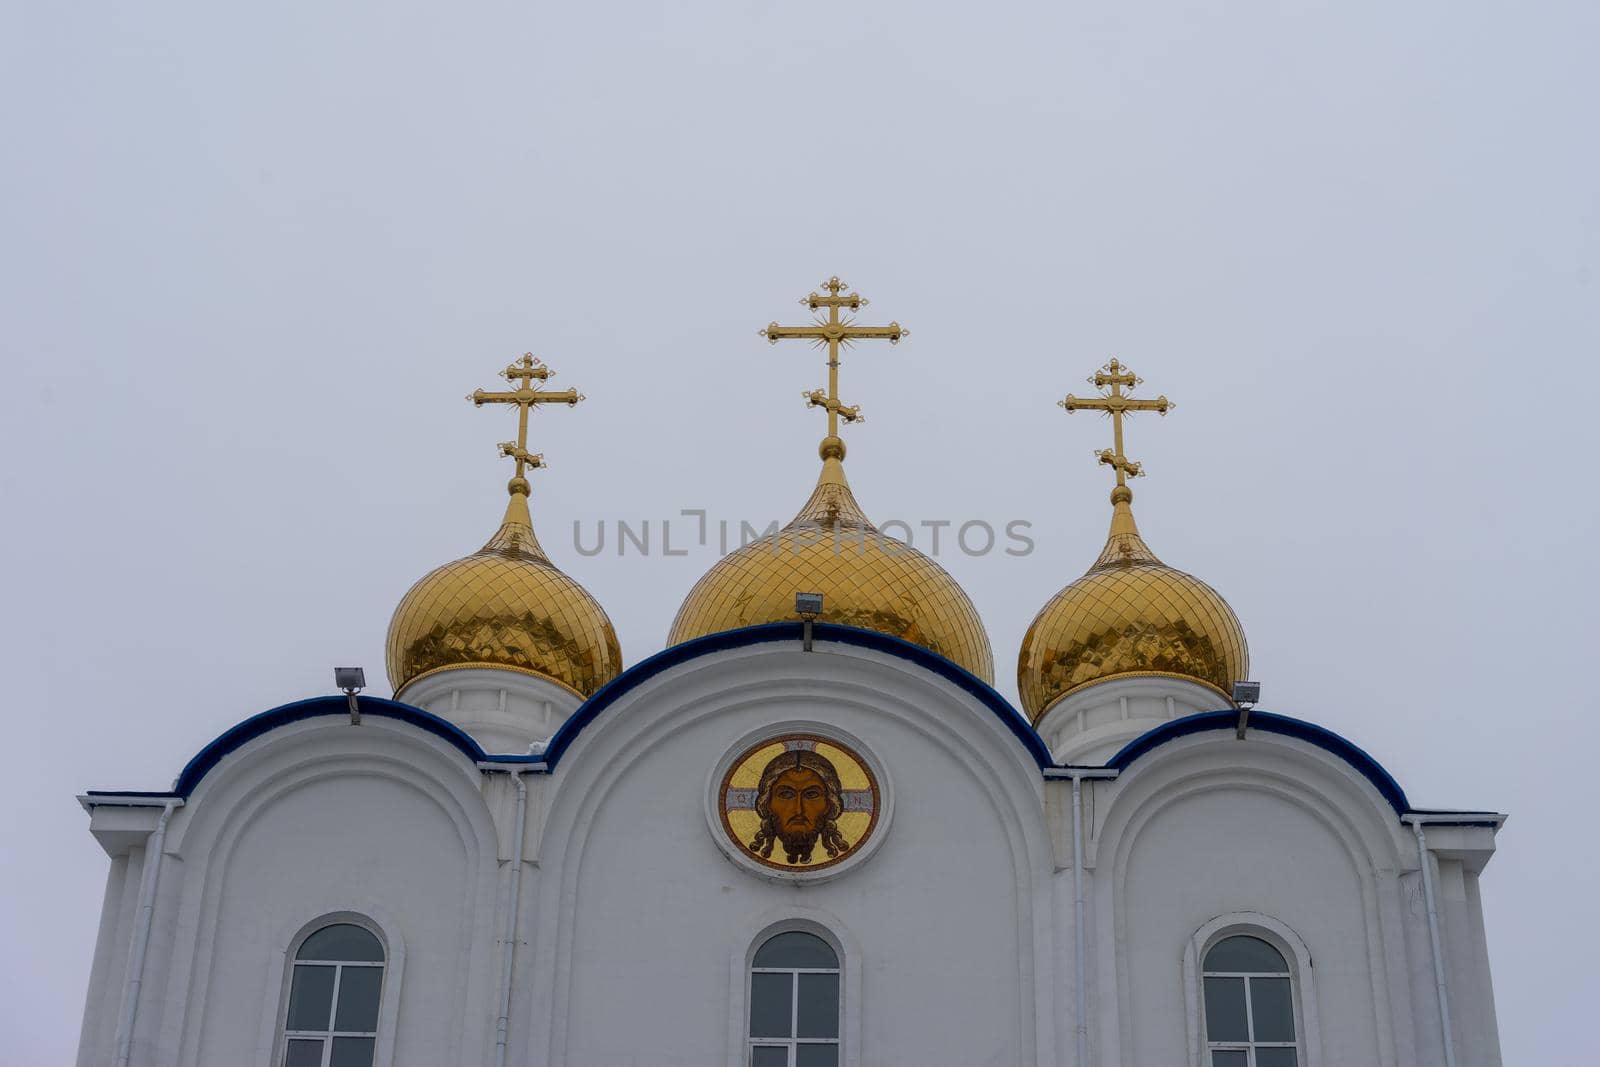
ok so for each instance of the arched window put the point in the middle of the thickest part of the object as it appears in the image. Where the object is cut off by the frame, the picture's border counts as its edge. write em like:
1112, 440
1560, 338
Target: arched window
332, 1019
1249, 1005
794, 1002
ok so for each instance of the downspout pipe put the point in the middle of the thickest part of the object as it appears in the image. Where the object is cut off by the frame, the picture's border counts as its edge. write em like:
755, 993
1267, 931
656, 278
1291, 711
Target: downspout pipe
508, 956
1082, 963
131, 985
1080, 948
1430, 898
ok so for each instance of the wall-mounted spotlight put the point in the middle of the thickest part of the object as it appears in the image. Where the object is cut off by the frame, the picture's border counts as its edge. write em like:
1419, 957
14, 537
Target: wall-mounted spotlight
350, 681
1246, 695
808, 606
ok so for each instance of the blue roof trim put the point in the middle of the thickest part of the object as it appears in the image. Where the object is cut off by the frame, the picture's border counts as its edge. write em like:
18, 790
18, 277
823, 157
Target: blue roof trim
630, 679
767, 633
299, 711
1267, 722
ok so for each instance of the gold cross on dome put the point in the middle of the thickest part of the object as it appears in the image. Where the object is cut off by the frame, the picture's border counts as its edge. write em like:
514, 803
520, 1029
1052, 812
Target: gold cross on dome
1115, 378
524, 372
834, 332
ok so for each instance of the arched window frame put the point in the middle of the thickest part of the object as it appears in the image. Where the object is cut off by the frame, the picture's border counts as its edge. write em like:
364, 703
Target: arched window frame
810, 921
272, 1044
1301, 980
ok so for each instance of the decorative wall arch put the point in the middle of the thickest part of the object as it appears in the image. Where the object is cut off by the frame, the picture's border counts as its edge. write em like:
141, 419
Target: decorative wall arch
1266, 723
824, 924
264, 772
387, 929
674, 703
1281, 937
260, 725
784, 632
1299, 776
451, 782
707, 688
1323, 786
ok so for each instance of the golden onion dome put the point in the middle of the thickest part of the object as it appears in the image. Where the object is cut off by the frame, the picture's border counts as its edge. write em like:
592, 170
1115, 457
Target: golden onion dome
1131, 615
505, 606
867, 580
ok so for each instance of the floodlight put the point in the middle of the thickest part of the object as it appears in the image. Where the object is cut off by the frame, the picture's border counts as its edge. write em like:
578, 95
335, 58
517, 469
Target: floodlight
808, 606
1245, 695
351, 680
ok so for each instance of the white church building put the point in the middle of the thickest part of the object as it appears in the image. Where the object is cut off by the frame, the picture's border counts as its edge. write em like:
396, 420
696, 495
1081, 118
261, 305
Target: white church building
807, 833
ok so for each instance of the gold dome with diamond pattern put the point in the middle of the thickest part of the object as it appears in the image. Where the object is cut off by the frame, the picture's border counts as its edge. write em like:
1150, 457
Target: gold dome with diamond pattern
506, 606
866, 579
1131, 615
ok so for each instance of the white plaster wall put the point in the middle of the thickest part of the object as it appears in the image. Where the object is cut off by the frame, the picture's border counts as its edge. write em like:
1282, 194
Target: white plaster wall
1206, 826
958, 932
97, 1038
1232, 850
1477, 1037
652, 917
314, 819
375, 844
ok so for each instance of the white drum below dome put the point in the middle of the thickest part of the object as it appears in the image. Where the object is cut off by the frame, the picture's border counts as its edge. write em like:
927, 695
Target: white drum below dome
1093, 724
504, 711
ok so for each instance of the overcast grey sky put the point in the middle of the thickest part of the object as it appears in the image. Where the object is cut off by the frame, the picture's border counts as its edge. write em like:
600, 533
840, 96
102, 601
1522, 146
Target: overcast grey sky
254, 256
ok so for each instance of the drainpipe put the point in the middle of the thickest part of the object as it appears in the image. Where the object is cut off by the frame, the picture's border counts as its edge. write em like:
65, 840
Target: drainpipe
1080, 949
1077, 919
141, 933
502, 1026
1433, 938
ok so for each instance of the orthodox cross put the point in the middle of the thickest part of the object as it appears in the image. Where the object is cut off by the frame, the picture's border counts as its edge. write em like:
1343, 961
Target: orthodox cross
524, 372
834, 332
1115, 378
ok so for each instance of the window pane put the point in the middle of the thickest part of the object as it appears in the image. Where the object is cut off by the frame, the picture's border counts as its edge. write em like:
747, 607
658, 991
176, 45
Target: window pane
817, 1055
769, 1057
358, 999
341, 942
352, 1052
1225, 1018
771, 1007
1271, 1009
796, 949
1230, 1058
310, 998
1245, 954
819, 1006
304, 1054
1275, 1057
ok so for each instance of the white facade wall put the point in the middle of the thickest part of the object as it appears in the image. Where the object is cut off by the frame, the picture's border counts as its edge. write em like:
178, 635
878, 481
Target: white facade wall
957, 935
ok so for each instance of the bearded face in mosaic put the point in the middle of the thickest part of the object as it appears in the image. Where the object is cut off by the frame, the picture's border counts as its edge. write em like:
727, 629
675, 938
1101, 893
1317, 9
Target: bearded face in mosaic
799, 800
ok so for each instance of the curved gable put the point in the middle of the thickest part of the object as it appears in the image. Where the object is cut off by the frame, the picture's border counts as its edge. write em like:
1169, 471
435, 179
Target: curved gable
258, 725
1267, 722
336, 705
767, 633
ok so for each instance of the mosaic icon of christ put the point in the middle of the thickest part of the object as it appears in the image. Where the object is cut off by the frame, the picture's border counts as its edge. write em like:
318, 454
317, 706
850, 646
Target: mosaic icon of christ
799, 801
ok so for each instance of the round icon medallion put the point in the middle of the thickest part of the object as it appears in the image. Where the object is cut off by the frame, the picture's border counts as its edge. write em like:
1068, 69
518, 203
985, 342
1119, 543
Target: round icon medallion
800, 802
